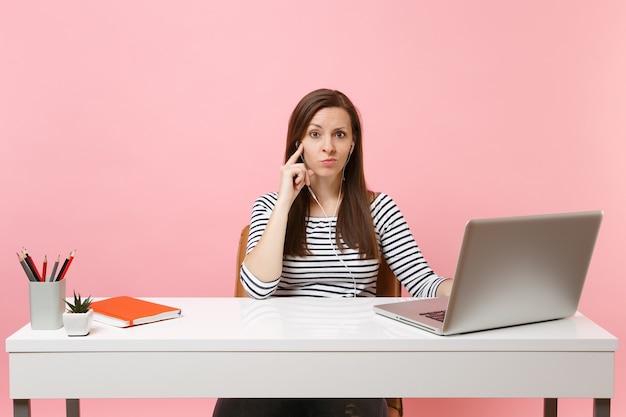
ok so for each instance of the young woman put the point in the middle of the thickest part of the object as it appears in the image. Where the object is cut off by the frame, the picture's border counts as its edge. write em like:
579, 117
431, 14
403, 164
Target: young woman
325, 221
323, 234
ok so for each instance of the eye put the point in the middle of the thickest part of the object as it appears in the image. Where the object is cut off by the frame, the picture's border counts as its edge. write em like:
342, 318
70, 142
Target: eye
340, 134
314, 134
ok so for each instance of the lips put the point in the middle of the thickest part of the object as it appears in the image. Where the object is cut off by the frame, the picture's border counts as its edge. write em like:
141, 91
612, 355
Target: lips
329, 161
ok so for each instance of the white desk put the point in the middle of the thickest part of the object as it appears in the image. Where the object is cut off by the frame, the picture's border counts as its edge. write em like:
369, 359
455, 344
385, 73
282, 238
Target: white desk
332, 348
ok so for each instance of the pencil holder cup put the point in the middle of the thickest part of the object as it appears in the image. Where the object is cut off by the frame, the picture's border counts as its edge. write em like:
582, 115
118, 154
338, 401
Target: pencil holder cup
47, 303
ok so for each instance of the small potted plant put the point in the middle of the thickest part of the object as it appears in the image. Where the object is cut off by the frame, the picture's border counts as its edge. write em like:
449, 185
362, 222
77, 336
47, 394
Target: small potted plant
78, 316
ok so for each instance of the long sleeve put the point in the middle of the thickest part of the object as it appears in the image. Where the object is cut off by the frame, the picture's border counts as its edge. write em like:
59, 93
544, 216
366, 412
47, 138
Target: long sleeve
331, 272
400, 250
261, 211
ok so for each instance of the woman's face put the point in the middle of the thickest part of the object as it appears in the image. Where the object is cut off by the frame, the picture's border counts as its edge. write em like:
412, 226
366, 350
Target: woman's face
328, 141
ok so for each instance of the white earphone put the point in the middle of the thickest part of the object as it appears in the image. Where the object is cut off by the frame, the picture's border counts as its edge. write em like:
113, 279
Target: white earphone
328, 218
330, 238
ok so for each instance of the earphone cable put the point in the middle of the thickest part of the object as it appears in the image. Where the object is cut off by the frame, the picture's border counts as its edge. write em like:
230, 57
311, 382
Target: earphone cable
330, 236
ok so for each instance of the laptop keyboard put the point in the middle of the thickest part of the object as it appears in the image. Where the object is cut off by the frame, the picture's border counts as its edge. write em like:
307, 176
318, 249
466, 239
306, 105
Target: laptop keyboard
435, 315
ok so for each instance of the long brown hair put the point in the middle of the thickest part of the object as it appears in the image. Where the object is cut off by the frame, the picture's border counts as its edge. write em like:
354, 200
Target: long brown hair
354, 220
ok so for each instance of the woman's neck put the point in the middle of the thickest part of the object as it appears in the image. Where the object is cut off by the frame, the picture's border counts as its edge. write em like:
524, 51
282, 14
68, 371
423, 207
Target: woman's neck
326, 198
326, 188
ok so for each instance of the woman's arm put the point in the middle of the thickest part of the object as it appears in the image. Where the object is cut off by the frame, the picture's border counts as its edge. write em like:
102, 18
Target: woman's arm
265, 260
402, 253
444, 289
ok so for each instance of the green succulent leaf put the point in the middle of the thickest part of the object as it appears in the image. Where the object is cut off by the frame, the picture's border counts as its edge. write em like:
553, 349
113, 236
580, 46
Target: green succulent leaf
80, 305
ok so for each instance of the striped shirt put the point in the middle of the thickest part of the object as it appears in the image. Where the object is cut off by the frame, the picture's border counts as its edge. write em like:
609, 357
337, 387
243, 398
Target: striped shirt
329, 272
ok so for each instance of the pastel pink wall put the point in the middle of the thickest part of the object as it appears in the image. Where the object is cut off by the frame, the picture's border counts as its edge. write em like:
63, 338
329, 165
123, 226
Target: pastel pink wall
140, 132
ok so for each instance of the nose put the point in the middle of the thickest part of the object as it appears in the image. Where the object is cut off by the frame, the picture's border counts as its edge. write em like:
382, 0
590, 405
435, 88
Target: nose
328, 145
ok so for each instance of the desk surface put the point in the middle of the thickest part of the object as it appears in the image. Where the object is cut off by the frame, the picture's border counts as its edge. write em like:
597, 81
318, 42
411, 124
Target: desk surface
286, 324
330, 347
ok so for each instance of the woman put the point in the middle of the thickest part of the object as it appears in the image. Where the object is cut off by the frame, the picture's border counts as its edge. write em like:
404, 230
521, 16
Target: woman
324, 212
324, 233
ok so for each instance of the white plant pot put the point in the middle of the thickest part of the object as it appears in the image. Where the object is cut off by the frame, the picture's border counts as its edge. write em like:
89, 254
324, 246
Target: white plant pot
77, 324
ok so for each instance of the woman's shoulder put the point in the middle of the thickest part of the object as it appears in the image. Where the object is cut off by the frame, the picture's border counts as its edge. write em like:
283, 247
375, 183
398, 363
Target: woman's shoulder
383, 206
377, 197
267, 200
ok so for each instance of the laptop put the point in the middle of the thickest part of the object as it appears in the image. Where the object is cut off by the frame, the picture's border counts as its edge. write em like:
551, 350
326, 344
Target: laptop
510, 271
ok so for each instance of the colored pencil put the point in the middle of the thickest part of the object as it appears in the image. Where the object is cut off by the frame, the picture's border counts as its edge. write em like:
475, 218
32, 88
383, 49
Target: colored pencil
31, 265
45, 267
29, 273
65, 266
54, 268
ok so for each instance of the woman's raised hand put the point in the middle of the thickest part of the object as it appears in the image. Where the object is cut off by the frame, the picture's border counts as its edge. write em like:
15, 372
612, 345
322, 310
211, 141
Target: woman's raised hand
294, 175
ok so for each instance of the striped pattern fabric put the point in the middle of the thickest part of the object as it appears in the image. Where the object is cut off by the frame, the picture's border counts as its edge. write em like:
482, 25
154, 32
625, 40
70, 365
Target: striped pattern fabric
329, 272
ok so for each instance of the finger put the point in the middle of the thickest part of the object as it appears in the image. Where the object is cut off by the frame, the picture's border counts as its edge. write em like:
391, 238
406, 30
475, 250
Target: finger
300, 178
309, 174
294, 158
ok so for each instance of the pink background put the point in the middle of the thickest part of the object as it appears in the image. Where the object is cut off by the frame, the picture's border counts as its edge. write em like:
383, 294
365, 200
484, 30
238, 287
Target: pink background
140, 132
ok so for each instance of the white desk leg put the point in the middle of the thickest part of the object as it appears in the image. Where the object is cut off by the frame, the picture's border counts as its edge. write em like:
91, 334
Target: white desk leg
72, 408
550, 407
601, 407
21, 408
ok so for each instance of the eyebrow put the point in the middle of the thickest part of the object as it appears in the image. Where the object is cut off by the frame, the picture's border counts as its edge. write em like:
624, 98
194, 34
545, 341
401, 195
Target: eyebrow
320, 127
